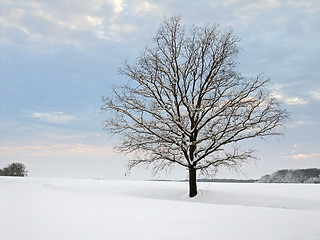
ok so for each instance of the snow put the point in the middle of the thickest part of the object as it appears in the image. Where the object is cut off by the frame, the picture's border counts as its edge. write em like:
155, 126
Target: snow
52, 209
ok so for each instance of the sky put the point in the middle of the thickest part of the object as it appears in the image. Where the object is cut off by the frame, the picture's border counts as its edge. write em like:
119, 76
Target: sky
58, 58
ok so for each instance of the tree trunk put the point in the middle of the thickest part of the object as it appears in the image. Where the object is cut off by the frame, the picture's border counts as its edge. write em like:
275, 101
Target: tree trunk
192, 182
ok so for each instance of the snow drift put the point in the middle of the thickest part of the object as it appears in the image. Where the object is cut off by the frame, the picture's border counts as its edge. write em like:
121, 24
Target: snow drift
56, 209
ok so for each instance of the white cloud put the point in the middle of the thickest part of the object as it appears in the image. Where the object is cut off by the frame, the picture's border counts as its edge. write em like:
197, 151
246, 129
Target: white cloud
289, 100
250, 10
54, 117
94, 21
146, 7
65, 138
118, 5
311, 6
276, 95
297, 155
60, 23
59, 19
117, 31
56, 150
31, 22
305, 156
84, 23
315, 94
295, 101
246, 11
300, 123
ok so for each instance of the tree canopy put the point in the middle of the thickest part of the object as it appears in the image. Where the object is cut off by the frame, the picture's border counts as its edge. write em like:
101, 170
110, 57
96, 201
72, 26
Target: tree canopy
14, 169
186, 104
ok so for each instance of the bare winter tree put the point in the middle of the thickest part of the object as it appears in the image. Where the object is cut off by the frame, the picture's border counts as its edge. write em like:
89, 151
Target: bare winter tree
186, 104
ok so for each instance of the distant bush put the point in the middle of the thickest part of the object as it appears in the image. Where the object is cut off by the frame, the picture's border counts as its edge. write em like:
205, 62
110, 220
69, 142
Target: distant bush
311, 175
14, 169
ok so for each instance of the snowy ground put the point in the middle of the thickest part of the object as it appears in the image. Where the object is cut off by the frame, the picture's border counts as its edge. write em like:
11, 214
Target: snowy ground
64, 209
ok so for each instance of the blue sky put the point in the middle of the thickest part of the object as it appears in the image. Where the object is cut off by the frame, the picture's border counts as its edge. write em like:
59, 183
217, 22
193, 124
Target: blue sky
57, 59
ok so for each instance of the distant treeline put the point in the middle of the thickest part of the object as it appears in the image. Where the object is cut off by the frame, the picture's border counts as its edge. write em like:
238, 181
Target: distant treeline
213, 180
310, 175
14, 170
228, 180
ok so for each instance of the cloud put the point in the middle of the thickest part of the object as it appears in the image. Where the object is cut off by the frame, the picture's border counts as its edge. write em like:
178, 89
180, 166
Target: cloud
56, 150
253, 9
118, 5
80, 22
315, 95
245, 12
77, 23
118, 30
289, 100
303, 156
300, 123
54, 117
141, 7
61, 23
295, 101
295, 154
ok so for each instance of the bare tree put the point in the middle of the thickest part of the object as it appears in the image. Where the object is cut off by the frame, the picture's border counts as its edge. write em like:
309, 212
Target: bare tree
186, 104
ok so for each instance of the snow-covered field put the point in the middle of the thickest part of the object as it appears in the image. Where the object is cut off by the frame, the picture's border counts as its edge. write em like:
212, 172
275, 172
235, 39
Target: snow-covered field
66, 209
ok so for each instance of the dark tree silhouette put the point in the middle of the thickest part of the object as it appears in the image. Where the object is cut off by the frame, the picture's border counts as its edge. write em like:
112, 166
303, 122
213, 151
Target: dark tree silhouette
186, 104
14, 169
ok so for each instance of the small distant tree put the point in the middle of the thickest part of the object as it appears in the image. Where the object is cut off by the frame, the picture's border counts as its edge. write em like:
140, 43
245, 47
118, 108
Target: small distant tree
14, 169
186, 104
